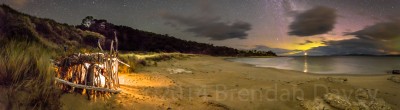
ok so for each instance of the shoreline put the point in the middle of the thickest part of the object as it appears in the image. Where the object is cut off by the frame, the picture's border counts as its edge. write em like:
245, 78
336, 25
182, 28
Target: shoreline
311, 73
206, 82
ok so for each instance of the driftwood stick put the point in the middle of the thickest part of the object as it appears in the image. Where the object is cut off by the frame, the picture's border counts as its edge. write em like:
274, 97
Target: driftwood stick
87, 87
111, 47
123, 63
116, 41
98, 44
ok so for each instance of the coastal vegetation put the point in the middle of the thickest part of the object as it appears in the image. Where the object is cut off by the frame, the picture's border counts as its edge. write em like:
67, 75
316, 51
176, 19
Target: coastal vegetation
26, 76
137, 40
28, 46
139, 60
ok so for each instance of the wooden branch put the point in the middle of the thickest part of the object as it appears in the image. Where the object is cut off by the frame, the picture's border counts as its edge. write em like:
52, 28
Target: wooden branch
116, 41
87, 87
111, 47
123, 63
98, 44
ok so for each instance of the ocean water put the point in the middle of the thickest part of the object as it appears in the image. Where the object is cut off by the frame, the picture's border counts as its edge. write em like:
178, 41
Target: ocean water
328, 64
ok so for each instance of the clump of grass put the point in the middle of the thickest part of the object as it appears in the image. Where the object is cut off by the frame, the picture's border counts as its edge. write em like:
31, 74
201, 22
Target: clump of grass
138, 60
131, 60
27, 73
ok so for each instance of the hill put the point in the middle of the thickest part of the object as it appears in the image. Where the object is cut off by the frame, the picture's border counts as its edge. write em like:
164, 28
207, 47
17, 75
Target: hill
20, 26
138, 40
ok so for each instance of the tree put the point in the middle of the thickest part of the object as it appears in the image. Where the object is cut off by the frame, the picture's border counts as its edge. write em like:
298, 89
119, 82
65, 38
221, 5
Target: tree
87, 21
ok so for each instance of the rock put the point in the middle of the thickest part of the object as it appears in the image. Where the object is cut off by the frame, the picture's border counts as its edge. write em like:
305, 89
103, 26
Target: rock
205, 95
379, 104
362, 94
336, 80
337, 101
217, 105
360, 105
178, 70
395, 79
316, 104
395, 71
299, 98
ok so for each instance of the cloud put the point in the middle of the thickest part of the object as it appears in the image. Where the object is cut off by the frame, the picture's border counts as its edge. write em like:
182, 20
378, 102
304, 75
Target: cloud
384, 31
318, 20
211, 27
386, 34
349, 46
377, 39
278, 51
306, 42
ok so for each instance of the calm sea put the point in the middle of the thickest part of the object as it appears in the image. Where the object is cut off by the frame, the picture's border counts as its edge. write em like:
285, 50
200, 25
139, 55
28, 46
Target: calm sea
328, 64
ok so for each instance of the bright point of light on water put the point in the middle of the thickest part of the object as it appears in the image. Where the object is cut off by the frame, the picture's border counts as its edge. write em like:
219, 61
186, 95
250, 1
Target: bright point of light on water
305, 53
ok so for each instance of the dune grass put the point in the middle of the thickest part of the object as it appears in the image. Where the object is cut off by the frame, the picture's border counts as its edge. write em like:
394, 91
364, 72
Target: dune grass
138, 60
26, 73
26, 76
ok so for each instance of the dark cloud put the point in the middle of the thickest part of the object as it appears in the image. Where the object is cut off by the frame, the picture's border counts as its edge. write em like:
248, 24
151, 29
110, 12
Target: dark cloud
318, 20
384, 31
377, 39
385, 34
380, 38
211, 27
278, 51
306, 42
350, 46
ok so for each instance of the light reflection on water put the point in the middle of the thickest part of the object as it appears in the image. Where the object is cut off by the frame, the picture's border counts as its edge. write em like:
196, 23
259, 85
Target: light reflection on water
328, 65
305, 70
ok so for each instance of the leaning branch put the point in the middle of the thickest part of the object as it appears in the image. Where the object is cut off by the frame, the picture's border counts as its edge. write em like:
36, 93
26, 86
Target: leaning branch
86, 87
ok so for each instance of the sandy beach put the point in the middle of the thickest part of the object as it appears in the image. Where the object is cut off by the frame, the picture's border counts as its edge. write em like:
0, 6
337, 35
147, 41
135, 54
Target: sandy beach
205, 82
200, 55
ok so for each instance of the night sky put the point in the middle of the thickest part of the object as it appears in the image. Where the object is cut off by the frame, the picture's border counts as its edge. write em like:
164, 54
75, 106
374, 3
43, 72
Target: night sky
319, 27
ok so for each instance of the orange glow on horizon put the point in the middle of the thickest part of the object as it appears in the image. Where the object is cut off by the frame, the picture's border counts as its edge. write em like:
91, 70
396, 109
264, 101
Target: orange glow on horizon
308, 46
296, 45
